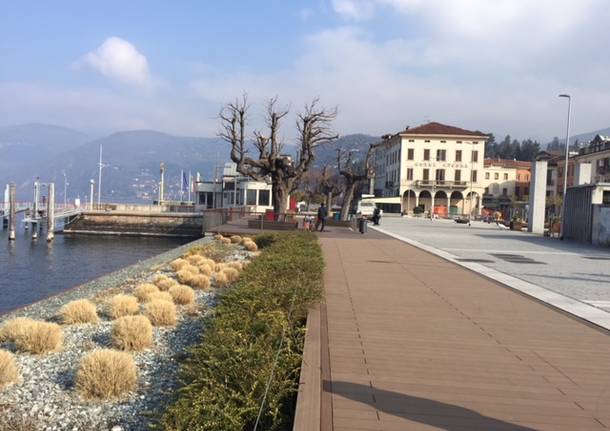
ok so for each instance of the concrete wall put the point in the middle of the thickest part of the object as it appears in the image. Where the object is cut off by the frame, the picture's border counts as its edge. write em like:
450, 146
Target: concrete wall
601, 225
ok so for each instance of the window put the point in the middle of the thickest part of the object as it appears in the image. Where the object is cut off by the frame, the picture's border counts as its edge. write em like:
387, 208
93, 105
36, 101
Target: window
504, 191
441, 155
486, 190
443, 142
409, 174
458, 175
475, 156
410, 154
426, 154
527, 191
458, 155
506, 176
427, 140
426, 174
486, 175
251, 197
411, 140
518, 177
548, 193
474, 176
458, 142
517, 190
496, 176
440, 175
263, 198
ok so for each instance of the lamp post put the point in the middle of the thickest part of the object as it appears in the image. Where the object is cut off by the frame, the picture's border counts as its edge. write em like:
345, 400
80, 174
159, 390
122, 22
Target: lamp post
66, 184
565, 168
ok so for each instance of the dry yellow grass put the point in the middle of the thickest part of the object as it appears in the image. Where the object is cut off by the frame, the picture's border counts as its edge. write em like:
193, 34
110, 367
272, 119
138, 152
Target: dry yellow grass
182, 294
201, 282
33, 336
226, 241
219, 266
123, 305
245, 239
192, 309
231, 273
165, 296
132, 333
160, 312
164, 282
177, 264
235, 239
220, 279
9, 373
218, 237
185, 277
190, 268
79, 311
205, 269
235, 264
143, 291
195, 259
106, 374
250, 246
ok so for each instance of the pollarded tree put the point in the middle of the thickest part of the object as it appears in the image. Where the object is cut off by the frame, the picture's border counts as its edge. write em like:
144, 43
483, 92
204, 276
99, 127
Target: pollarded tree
314, 129
353, 172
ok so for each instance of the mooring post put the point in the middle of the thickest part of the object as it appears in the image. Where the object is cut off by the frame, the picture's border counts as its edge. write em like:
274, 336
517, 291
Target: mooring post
12, 213
51, 213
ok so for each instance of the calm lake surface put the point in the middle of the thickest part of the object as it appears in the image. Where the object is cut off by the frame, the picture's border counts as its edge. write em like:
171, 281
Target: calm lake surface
33, 270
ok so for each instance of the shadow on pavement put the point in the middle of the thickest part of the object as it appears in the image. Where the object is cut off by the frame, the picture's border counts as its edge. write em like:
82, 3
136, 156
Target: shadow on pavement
444, 416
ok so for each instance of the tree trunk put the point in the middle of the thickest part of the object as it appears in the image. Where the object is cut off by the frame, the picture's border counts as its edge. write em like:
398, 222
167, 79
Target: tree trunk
347, 201
280, 200
329, 200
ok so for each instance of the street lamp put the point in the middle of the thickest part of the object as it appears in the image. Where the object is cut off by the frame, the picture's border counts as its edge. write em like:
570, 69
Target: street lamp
565, 168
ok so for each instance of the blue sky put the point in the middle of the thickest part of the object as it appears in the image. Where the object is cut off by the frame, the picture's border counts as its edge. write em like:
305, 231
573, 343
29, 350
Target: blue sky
495, 66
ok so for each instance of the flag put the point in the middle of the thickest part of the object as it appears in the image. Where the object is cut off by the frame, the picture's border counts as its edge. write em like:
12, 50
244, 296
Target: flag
185, 182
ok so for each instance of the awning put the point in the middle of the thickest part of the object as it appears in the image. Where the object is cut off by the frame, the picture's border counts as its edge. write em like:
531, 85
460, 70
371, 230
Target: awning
392, 200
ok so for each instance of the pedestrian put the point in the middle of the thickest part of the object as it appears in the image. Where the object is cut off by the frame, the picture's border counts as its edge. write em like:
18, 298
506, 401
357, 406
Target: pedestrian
322, 214
376, 216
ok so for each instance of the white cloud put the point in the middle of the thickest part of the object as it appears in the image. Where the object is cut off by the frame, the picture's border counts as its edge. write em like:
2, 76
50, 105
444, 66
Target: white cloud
119, 60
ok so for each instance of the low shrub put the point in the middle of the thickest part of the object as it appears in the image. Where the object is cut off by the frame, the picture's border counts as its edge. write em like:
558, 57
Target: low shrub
235, 239
14, 328
106, 374
250, 246
201, 282
132, 333
225, 241
224, 379
123, 305
218, 237
205, 269
79, 311
160, 312
9, 373
221, 279
236, 265
231, 273
185, 277
34, 336
165, 296
163, 282
177, 264
144, 290
219, 266
182, 294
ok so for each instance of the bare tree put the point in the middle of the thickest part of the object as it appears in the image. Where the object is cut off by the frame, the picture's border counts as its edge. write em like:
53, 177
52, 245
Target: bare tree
314, 128
353, 173
329, 185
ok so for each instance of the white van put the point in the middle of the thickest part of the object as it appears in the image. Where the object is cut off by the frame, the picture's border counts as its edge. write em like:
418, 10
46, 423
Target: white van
365, 208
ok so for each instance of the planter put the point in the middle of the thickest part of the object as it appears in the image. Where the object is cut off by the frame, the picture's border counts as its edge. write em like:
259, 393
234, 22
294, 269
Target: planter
516, 225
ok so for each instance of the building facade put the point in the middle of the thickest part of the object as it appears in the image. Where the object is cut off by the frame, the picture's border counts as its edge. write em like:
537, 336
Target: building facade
506, 185
598, 154
434, 167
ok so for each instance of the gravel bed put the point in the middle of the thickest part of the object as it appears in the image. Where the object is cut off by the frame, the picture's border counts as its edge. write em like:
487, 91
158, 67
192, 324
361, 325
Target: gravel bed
45, 398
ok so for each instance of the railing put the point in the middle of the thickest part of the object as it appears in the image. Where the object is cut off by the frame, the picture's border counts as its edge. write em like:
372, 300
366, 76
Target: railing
441, 183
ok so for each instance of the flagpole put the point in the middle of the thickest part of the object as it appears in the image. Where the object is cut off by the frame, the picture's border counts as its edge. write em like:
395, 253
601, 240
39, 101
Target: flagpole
181, 185
190, 185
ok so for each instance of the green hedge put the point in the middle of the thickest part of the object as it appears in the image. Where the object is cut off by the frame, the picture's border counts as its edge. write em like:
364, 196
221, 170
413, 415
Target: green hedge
224, 378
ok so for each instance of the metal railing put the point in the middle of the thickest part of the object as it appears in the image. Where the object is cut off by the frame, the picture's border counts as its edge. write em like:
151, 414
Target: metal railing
440, 183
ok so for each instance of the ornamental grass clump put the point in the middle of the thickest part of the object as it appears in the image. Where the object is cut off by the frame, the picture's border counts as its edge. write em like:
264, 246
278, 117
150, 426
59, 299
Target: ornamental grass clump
250, 246
185, 277
132, 333
231, 273
164, 282
33, 336
105, 374
9, 372
165, 296
205, 269
225, 241
79, 311
236, 265
201, 282
160, 312
144, 290
235, 239
182, 295
178, 264
221, 279
195, 259
123, 305
227, 373
218, 237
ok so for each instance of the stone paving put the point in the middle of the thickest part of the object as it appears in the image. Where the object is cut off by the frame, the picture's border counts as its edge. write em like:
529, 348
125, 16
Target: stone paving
418, 343
572, 269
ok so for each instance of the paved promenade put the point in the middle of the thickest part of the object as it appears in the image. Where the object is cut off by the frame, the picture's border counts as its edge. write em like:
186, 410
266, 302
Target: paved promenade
418, 343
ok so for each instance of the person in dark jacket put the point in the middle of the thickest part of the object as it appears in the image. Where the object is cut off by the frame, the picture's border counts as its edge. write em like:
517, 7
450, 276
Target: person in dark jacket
322, 214
376, 216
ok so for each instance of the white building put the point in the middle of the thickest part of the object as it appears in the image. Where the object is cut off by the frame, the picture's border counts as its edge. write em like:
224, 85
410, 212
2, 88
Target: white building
598, 154
234, 190
431, 166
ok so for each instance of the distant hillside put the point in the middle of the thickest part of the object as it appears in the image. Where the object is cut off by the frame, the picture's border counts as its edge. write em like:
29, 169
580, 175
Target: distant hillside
327, 154
583, 138
132, 160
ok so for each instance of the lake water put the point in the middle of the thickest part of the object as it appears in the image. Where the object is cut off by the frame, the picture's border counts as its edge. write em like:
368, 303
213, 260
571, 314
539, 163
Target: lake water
33, 270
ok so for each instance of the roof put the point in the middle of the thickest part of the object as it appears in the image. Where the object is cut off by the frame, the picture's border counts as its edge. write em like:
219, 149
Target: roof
508, 163
435, 128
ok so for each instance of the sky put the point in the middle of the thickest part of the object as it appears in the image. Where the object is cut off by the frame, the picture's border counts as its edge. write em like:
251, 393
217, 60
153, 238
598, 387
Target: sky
495, 66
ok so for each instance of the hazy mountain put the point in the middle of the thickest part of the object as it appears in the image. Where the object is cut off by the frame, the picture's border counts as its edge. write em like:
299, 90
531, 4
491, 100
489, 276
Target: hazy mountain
132, 165
327, 154
583, 138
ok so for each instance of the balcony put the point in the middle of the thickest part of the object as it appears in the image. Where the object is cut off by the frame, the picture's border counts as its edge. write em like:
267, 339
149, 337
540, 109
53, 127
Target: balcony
441, 184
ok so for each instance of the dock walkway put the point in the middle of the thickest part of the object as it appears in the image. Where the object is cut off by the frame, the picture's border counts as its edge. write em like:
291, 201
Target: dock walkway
417, 343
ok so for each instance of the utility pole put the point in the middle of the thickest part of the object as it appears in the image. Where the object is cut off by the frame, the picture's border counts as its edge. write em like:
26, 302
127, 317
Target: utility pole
12, 212
471, 179
65, 189
565, 167
190, 186
162, 182
99, 178
51, 213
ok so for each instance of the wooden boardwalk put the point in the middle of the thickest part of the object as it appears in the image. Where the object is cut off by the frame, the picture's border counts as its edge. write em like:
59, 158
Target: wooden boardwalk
417, 343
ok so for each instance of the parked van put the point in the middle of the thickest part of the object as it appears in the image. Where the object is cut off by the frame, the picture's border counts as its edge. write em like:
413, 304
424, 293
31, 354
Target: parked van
365, 207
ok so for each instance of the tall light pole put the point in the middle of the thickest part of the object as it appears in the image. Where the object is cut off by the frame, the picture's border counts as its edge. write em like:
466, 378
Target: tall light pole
100, 165
92, 185
65, 188
565, 168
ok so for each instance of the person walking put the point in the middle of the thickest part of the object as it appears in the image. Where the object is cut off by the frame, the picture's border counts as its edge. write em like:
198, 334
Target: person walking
322, 214
376, 216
